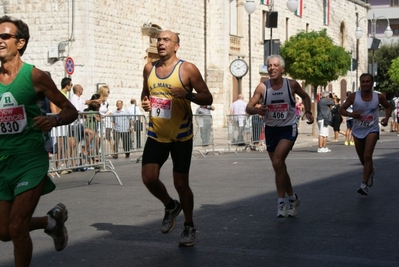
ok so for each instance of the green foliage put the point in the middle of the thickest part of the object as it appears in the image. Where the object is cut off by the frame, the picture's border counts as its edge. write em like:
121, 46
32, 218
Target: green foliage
384, 57
314, 58
394, 71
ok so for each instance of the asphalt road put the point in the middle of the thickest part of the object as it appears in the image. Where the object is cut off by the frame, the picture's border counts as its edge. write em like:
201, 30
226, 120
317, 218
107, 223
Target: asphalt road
235, 213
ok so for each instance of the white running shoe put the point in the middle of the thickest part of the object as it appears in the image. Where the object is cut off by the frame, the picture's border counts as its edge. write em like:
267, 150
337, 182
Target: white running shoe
282, 210
363, 189
293, 205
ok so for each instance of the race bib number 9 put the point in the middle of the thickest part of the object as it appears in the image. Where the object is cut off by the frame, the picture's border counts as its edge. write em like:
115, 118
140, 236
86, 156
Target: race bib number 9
161, 107
366, 121
12, 120
277, 111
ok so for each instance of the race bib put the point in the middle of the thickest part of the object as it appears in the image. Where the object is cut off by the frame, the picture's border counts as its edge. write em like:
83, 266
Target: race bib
161, 107
277, 111
12, 120
366, 121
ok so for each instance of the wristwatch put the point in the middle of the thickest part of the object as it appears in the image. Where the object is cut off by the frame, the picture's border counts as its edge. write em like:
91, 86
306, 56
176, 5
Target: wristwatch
190, 96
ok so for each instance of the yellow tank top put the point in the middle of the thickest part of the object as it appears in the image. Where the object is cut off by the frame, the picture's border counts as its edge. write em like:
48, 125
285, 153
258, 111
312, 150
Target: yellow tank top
170, 118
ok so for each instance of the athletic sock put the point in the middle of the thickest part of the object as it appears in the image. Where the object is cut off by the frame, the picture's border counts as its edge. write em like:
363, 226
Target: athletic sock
191, 224
51, 223
280, 200
171, 205
293, 197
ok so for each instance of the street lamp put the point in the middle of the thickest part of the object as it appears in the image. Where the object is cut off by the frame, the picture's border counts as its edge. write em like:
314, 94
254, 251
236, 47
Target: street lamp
250, 7
375, 42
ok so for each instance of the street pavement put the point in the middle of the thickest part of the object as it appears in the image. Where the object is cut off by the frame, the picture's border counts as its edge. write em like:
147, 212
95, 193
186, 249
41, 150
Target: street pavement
235, 212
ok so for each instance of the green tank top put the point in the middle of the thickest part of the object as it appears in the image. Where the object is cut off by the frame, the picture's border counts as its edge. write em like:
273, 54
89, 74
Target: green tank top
19, 104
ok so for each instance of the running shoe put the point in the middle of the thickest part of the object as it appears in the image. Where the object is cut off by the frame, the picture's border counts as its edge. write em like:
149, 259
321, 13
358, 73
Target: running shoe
187, 237
352, 143
169, 220
371, 178
59, 233
293, 205
346, 143
281, 210
363, 189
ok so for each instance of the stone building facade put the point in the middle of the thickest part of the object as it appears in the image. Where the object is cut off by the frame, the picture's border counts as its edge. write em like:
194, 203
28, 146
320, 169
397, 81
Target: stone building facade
111, 40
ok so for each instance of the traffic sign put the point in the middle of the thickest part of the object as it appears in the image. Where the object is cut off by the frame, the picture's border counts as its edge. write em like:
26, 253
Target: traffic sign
69, 65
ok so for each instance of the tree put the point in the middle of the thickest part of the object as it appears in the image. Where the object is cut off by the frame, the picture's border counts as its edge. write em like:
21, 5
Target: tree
394, 72
313, 58
383, 57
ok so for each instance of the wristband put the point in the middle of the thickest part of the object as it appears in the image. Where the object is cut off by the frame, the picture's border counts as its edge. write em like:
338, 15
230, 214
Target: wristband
190, 96
308, 112
58, 120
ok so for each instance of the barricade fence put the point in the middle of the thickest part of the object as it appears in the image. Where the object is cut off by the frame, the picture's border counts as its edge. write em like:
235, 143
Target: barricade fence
92, 138
246, 131
203, 140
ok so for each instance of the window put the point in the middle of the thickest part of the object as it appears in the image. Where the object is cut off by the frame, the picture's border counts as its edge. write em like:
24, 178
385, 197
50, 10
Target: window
394, 2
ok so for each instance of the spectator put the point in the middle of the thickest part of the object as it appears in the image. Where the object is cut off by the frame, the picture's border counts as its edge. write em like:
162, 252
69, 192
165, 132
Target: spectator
323, 120
349, 125
65, 144
298, 109
336, 119
92, 121
239, 119
135, 111
122, 126
204, 121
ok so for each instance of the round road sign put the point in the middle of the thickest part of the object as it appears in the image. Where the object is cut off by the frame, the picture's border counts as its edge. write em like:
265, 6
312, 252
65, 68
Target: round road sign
69, 66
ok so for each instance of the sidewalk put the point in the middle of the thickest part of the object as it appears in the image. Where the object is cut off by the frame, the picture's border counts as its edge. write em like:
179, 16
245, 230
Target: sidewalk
305, 138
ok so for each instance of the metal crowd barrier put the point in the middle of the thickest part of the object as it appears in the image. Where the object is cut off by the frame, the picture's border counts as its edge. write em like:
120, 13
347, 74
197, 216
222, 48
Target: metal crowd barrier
246, 131
203, 140
123, 135
78, 147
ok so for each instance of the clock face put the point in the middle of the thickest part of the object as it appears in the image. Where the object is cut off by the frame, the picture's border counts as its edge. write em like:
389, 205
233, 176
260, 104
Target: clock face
238, 68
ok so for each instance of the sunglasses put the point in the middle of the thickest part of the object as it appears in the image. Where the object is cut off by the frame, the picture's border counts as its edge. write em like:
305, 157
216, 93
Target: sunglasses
6, 36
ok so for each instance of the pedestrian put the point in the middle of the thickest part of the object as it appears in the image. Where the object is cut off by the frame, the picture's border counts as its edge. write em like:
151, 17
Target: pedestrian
239, 119
64, 142
337, 119
204, 121
366, 128
123, 126
78, 130
299, 109
281, 129
324, 117
167, 92
106, 114
24, 162
349, 125
137, 118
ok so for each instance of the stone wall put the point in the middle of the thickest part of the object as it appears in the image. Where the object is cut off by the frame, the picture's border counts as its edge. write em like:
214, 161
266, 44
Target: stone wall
106, 41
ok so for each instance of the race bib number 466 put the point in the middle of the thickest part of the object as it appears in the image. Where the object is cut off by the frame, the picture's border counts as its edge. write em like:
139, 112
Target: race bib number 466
12, 120
161, 107
277, 111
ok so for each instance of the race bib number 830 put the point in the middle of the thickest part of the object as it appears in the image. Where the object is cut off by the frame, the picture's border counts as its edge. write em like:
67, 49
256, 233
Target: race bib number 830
12, 120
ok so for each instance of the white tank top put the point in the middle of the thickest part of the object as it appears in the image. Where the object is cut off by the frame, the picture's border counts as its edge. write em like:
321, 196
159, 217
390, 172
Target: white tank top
280, 104
368, 122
